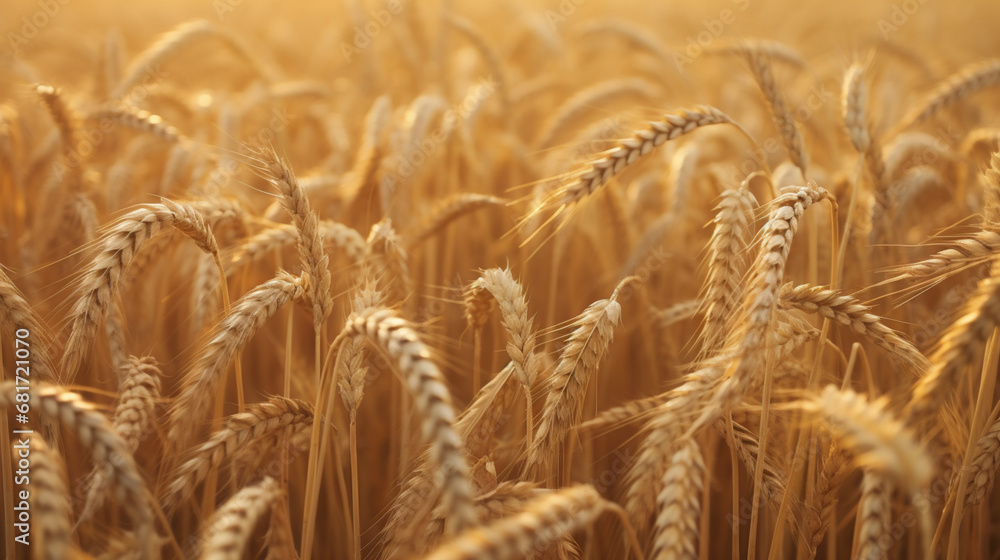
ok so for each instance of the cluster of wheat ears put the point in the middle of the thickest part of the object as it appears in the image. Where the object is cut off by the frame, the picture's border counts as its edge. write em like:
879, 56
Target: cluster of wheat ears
412, 284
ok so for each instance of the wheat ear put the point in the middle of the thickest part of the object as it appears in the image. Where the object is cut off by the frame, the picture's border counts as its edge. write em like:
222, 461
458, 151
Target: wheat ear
133, 419
681, 311
679, 506
636, 36
959, 345
239, 430
855, 108
449, 210
64, 119
386, 261
541, 525
102, 280
855, 115
628, 151
138, 119
881, 445
762, 297
664, 430
774, 50
16, 313
983, 467
398, 339
149, 60
226, 339
962, 254
849, 312
723, 289
509, 295
827, 487
228, 532
507, 499
874, 516
879, 441
965, 82
580, 359
366, 162
478, 426
760, 65
312, 255
48, 496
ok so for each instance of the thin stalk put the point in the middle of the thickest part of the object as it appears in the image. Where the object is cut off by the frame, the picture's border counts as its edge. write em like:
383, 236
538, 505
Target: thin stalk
317, 451
758, 474
354, 486
224, 288
987, 382
477, 349
736, 487
529, 430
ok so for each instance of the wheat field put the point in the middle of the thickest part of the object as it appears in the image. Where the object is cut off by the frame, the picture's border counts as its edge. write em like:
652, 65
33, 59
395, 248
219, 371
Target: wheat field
541, 279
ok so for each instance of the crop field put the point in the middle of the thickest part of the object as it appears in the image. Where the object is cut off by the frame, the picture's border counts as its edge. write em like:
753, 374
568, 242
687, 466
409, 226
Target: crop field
543, 279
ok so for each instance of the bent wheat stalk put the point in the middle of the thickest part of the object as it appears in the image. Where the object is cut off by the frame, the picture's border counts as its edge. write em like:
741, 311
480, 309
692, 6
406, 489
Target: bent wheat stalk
226, 339
102, 280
